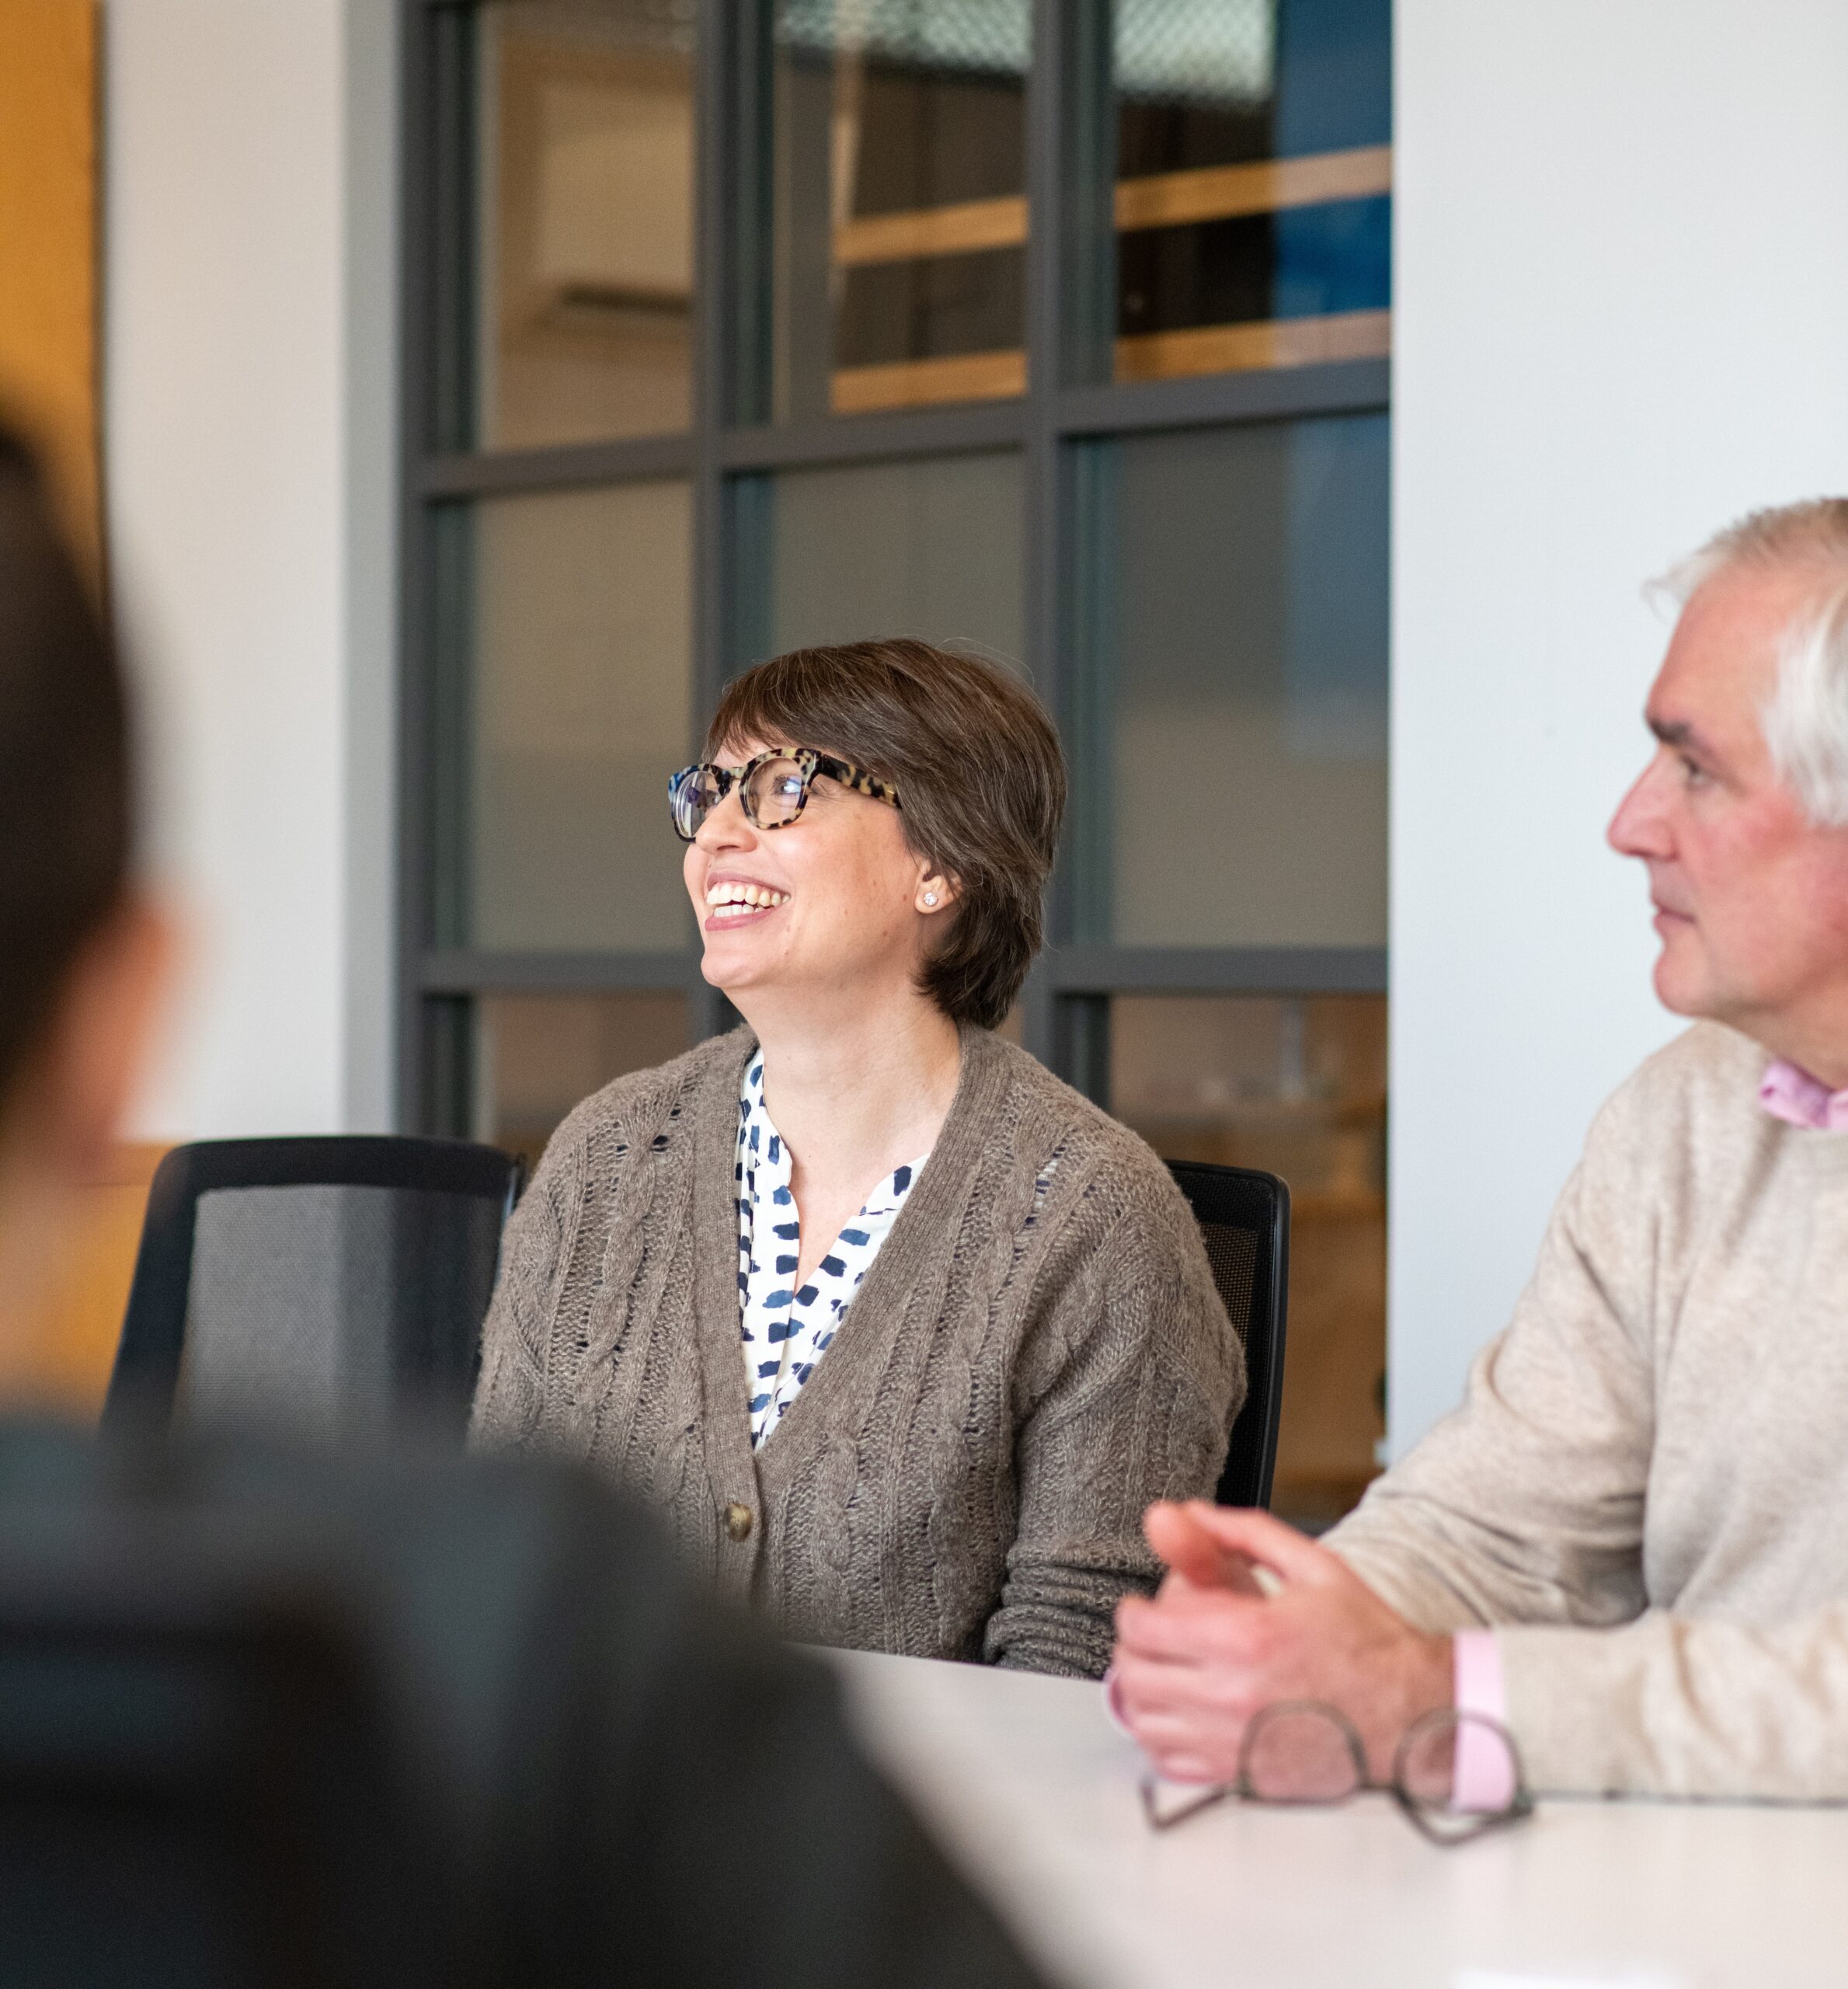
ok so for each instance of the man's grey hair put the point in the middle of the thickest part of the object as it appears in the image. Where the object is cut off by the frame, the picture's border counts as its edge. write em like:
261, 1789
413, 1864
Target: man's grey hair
1805, 719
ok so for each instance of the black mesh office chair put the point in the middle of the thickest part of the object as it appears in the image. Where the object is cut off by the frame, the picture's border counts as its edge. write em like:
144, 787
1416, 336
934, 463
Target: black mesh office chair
1244, 1222
335, 1286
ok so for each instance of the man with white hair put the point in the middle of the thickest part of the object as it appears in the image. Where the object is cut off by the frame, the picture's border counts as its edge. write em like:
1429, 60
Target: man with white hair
1630, 1543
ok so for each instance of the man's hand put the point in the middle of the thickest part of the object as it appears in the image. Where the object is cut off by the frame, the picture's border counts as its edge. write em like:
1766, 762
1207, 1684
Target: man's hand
1192, 1667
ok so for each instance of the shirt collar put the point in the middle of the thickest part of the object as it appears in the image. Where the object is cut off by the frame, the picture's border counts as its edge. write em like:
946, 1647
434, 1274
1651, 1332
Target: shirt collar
1789, 1093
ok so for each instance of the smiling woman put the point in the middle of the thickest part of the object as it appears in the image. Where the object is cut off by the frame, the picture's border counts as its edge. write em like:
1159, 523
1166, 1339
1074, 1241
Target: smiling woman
1023, 1343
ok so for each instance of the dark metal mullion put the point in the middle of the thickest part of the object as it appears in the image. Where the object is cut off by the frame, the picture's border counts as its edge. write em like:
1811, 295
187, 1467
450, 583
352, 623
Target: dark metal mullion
1046, 530
1072, 973
1082, 970
1211, 399
826, 439
723, 154
417, 28
1343, 387
464, 474
473, 970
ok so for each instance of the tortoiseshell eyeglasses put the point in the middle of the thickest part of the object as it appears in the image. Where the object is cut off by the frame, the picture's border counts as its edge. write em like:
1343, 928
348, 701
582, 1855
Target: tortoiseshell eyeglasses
773, 788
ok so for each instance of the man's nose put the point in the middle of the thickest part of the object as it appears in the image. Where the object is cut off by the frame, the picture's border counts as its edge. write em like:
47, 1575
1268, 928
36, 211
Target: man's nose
1640, 827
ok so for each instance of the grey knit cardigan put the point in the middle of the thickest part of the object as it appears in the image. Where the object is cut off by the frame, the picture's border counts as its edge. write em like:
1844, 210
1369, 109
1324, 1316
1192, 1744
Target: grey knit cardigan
1037, 1351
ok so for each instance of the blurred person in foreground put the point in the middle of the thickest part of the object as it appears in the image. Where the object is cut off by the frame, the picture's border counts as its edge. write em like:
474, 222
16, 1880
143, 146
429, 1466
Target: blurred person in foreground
641, 1787
900, 1334
1630, 1545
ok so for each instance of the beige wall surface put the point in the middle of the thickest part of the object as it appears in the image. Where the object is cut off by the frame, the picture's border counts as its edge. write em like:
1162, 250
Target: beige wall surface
249, 371
1621, 319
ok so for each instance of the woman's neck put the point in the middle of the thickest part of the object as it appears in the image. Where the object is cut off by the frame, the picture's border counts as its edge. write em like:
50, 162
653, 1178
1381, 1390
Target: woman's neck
860, 1092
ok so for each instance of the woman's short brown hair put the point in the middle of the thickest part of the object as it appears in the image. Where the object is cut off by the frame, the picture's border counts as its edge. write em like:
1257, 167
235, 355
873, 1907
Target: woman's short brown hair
980, 777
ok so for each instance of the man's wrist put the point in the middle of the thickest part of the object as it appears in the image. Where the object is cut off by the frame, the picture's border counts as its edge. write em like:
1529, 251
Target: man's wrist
1437, 1676
1422, 1682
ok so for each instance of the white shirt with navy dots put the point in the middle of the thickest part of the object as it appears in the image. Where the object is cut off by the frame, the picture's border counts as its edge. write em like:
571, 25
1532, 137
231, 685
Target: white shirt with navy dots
787, 1329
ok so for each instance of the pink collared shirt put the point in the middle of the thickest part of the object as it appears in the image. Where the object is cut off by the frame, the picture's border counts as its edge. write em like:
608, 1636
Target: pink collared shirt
1789, 1093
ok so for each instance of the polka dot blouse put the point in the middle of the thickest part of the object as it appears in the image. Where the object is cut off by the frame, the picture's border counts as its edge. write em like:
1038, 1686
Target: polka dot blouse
788, 1327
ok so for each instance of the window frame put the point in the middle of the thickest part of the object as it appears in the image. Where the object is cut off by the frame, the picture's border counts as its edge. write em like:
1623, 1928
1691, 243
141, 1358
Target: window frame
1065, 1006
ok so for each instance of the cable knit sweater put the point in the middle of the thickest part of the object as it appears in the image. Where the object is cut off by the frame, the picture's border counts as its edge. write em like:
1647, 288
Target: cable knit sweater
1646, 1488
1032, 1358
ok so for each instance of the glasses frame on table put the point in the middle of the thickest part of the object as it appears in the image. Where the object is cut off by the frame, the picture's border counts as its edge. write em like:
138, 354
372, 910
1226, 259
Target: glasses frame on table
1445, 1828
707, 779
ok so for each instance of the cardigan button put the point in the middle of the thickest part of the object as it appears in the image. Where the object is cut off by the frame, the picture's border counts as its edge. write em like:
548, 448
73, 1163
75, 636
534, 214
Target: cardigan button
738, 1520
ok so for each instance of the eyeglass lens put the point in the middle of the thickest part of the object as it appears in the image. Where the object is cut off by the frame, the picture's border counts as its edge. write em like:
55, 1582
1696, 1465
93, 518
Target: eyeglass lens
1299, 1753
773, 795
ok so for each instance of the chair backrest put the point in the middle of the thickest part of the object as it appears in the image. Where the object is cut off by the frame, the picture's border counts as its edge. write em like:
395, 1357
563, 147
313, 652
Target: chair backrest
196, 1788
1244, 1218
336, 1285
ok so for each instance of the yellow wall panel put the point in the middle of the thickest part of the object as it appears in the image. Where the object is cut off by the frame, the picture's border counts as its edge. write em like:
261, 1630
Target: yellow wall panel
59, 1358
50, 180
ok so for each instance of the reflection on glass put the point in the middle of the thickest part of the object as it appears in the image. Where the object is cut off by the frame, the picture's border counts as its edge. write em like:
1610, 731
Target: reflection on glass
536, 1055
1254, 171
1234, 757
581, 710
584, 254
1296, 1086
929, 548
896, 203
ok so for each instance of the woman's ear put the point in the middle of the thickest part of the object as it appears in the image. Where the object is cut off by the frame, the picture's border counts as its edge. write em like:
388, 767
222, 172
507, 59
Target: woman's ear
937, 893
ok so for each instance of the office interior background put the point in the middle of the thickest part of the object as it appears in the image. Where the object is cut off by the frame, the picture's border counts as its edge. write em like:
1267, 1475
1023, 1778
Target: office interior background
1300, 394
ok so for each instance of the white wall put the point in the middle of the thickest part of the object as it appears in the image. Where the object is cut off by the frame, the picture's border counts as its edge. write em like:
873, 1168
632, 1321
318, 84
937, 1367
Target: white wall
248, 417
1621, 317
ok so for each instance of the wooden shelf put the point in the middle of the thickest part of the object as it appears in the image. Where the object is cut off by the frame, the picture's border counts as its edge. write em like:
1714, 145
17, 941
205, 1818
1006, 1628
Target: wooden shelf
1160, 200
912, 235
1352, 1205
1270, 341
1220, 193
983, 376
973, 376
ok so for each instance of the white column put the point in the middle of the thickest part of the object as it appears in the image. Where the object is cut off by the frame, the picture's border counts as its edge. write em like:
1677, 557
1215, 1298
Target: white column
248, 426
1621, 319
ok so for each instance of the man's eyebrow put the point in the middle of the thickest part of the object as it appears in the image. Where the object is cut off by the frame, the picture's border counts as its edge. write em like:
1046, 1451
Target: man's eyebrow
1678, 733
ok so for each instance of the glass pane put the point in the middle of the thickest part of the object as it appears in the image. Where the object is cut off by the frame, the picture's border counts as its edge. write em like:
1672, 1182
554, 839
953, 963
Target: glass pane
895, 205
929, 549
536, 1055
1233, 765
1253, 172
581, 710
585, 255
1296, 1087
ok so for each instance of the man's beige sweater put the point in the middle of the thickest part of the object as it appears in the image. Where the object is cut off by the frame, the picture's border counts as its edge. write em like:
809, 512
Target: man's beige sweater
1648, 1478
1037, 1351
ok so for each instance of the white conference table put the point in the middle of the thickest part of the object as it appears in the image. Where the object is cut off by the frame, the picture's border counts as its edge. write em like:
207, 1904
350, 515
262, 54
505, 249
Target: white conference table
1034, 1794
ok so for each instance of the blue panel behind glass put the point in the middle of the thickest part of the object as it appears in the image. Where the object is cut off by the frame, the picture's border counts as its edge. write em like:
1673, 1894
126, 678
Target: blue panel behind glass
1334, 92
1333, 75
1337, 256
